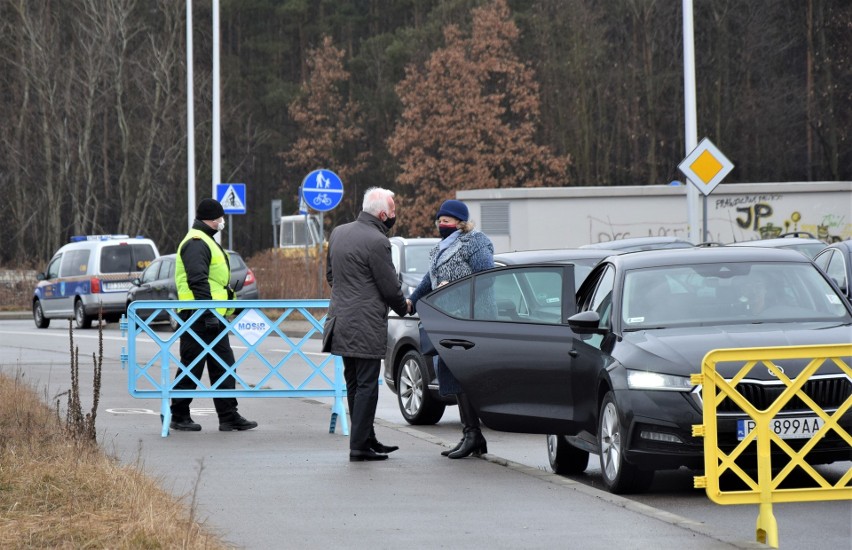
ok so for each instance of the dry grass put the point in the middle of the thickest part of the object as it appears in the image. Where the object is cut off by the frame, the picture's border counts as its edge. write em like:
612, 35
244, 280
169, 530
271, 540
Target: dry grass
16, 296
285, 275
58, 490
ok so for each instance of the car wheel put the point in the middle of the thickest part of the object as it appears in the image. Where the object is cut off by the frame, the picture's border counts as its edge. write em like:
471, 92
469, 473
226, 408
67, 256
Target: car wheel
619, 476
81, 320
38, 315
565, 459
412, 384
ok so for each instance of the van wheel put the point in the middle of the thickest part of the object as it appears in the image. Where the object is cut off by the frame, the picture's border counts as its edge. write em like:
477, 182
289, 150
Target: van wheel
38, 315
81, 320
416, 404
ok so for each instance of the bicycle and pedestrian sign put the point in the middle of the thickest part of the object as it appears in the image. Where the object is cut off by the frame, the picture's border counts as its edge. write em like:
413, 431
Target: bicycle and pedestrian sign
322, 190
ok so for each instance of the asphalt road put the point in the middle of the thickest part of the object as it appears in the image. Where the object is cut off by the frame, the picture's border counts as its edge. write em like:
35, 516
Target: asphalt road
41, 356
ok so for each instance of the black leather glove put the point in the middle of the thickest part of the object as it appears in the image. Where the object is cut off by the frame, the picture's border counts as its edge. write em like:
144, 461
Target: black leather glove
211, 325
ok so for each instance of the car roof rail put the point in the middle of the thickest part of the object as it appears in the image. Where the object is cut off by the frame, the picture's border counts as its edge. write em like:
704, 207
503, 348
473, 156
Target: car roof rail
803, 234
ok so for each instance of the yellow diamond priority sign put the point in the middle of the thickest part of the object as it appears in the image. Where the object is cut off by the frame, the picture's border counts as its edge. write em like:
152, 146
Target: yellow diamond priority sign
706, 166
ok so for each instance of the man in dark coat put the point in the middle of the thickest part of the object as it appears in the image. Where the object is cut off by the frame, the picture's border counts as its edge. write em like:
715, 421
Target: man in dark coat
363, 285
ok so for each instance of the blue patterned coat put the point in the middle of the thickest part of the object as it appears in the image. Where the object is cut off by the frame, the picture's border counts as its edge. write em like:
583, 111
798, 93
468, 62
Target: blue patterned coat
470, 253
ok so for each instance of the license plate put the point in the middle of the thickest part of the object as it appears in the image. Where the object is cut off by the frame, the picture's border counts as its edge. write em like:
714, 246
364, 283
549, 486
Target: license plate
117, 286
797, 427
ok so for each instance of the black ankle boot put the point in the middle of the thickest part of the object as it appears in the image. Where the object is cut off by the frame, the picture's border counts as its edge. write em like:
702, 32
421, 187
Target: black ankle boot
464, 422
447, 452
473, 442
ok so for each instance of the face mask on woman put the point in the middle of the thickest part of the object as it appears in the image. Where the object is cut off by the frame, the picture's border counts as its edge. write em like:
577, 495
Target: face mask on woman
445, 230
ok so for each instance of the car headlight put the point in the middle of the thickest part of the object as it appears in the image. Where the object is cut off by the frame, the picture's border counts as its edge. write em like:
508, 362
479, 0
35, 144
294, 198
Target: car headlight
644, 380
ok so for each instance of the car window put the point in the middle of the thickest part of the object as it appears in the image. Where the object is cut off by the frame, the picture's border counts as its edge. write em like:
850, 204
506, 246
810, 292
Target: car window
76, 263
143, 255
395, 256
808, 249
836, 269
454, 301
125, 258
168, 271
715, 294
53, 267
151, 273
822, 259
417, 259
236, 261
531, 295
602, 298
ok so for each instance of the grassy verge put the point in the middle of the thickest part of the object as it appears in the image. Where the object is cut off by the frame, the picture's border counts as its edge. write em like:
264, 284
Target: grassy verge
59, 490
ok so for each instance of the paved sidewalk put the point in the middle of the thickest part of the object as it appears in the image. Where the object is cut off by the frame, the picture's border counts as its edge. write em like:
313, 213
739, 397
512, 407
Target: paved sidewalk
289, 484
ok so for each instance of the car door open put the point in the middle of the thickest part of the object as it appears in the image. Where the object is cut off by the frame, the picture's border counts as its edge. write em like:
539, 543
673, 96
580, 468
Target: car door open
503, 334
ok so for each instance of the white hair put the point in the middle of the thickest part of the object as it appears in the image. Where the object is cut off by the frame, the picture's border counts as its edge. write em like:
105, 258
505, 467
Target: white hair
376, 200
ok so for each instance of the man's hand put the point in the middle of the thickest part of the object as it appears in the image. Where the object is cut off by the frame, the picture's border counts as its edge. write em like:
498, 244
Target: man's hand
211, 325
409, 306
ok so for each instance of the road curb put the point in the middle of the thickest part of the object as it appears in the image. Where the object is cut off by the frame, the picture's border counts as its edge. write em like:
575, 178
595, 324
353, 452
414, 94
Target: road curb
616, 500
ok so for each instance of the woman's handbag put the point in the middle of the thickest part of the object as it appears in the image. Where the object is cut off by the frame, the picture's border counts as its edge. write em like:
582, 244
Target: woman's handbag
426, 347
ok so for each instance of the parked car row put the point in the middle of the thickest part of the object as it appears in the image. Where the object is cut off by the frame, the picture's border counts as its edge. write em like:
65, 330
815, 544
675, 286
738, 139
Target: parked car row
103, 274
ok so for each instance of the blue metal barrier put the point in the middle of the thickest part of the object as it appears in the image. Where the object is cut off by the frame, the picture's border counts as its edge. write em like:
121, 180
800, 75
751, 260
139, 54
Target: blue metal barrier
278, 372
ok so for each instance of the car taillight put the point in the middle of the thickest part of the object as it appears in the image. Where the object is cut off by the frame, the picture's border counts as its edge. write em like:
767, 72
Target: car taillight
249, 278
96, 285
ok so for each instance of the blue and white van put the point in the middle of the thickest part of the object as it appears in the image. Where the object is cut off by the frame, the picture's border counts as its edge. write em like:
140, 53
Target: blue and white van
90, 276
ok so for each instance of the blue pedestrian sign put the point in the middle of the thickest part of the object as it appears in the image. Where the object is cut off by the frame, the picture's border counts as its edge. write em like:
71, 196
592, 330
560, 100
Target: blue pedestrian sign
322, 190
232, 196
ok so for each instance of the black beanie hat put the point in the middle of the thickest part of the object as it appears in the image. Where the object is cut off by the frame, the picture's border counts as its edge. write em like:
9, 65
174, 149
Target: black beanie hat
209, 209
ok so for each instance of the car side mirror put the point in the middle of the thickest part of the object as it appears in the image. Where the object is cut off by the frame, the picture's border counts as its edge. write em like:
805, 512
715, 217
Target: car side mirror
585, 322
136, 282
41, 277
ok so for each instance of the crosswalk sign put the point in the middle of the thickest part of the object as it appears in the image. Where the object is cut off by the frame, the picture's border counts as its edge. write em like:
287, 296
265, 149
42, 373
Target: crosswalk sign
232, 196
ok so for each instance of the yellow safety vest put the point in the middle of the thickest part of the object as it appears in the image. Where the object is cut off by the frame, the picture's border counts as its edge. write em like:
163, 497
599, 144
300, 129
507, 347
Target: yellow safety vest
218, 277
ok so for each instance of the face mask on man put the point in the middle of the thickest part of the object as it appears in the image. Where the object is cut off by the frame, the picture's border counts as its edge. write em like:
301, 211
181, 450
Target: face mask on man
220, 226
446, 230
388, 222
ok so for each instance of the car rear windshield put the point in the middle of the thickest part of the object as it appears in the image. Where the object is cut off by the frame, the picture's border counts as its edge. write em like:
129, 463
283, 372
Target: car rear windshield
716, 294
126, 257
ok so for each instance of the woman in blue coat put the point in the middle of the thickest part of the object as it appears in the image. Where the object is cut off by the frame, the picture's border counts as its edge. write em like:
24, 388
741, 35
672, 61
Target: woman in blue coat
462, 251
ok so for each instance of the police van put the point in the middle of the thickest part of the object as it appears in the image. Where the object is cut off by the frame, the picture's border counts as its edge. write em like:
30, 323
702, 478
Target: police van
88, 276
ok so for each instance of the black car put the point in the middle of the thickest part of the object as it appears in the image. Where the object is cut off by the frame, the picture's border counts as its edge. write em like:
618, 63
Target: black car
157, 282
636, 244
802, 241
607, 371
836, 261
411, 375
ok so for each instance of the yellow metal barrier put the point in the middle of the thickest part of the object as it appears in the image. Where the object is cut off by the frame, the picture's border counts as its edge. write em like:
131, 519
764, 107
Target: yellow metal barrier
770, 475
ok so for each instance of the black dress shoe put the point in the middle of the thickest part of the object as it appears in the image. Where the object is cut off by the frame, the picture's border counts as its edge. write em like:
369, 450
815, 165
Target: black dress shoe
377, 447
184, 424
235, 422
361, 456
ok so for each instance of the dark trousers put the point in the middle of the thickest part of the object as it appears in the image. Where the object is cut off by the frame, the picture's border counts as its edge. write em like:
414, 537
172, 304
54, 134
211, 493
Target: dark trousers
189, 350
362, 393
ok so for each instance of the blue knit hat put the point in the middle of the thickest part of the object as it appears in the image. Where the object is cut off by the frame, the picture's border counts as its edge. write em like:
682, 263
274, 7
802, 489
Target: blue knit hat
454, 208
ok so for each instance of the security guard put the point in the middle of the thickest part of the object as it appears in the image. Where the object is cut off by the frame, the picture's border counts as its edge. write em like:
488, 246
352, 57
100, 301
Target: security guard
202, 272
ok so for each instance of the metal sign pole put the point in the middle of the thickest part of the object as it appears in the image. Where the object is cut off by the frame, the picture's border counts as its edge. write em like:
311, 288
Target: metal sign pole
230, 231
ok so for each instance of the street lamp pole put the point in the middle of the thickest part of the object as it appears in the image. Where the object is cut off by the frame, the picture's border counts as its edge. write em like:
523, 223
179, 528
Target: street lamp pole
190, 122
690, 116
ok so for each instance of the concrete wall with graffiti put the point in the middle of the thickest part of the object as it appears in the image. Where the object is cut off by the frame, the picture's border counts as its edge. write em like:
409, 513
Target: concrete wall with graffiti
567, 217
